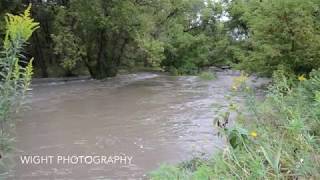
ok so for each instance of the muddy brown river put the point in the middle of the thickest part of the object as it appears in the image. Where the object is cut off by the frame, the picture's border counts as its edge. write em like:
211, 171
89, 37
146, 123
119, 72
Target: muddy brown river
152, 118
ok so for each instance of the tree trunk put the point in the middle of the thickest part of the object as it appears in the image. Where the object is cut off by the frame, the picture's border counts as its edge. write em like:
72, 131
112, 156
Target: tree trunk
39, 58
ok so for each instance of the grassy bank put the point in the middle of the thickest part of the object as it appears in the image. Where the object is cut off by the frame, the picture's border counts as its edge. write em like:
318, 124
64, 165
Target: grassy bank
277, 138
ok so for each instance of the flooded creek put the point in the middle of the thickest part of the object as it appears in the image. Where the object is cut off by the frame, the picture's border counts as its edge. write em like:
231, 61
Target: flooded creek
153, 118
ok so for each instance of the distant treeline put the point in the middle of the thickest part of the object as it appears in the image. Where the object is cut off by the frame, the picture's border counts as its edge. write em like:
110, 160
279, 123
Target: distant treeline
100, 37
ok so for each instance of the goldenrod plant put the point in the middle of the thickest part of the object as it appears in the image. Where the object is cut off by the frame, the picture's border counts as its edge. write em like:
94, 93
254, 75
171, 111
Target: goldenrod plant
15, 73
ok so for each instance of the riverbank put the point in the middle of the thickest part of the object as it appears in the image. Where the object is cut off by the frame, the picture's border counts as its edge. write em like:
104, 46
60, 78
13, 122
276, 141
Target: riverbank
276, 138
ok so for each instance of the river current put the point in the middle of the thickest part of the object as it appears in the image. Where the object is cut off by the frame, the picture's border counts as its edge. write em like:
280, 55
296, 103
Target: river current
151, 117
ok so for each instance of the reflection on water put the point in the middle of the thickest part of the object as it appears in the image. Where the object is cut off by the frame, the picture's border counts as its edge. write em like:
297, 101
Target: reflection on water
154, 118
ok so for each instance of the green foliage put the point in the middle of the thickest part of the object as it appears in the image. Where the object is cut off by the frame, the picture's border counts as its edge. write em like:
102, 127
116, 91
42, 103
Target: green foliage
167, 172
186, 52
15, 75
279, 33
5, 7
18, 29
192, 44
103, 37
67, 45
153, 51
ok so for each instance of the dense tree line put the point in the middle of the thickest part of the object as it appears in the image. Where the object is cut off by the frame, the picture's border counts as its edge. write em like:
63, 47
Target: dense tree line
277, 34
100, 37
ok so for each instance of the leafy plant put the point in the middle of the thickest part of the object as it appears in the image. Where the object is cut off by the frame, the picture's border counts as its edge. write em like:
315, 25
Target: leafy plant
16, 72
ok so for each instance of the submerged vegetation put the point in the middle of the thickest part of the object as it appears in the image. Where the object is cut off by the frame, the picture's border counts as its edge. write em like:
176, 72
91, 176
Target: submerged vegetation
207, 75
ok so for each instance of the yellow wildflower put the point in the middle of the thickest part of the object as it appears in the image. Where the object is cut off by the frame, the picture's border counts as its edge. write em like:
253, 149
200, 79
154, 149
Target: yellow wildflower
302, 78
253, 134
239, 81
234, 88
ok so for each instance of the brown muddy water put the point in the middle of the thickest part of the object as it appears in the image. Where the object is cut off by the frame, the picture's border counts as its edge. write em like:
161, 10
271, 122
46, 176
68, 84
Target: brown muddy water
153, 118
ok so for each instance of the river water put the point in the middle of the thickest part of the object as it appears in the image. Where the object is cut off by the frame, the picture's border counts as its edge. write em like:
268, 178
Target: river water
151, 117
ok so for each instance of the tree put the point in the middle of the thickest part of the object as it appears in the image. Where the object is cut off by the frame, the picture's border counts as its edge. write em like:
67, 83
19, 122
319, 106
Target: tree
282, 33
104, 36
100, 29
192, 30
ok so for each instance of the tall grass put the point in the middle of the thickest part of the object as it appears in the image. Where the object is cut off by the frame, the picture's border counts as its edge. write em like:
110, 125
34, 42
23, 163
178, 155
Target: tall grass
277, 138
